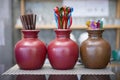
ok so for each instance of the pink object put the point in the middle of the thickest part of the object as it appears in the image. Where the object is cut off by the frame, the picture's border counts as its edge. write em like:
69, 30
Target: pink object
30, 52
62, 51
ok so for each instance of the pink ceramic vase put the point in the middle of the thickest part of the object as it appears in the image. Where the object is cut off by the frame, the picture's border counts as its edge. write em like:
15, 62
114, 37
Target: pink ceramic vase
62, 51
30, 52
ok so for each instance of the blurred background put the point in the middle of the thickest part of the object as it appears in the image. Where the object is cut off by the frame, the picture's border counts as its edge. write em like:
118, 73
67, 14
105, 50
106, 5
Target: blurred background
10, 24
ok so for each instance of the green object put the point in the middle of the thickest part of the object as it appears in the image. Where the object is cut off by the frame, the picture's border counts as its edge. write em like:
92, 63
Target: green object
101, 24
116, 55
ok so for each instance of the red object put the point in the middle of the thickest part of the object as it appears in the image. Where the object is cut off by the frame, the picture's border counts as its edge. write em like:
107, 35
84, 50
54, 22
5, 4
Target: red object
62, 51
30, 77
30, 52
56, 9
63, 77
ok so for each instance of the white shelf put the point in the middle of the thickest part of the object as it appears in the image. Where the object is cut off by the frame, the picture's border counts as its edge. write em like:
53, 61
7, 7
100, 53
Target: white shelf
47, 69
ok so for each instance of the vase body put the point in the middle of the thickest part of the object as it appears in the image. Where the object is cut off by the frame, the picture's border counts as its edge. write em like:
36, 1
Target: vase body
95, 52
30, 52
62, 51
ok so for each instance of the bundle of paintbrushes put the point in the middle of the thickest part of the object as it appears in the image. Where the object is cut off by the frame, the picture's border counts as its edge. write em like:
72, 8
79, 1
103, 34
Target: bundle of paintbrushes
93, 25
63, 17
28, 21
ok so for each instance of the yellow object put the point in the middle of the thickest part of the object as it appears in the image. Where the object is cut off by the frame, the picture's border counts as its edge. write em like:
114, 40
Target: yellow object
88, 23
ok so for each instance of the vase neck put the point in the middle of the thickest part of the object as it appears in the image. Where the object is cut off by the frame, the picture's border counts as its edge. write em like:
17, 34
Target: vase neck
30, 33
63, 33
95, 33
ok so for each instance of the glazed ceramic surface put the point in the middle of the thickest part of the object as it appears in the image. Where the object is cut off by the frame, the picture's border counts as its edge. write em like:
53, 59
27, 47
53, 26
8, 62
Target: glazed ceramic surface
30, 52
62, 51
95, 51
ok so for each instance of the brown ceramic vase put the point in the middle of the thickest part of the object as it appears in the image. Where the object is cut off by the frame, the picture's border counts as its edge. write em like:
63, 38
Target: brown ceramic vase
30, 52
95, 52
62, 51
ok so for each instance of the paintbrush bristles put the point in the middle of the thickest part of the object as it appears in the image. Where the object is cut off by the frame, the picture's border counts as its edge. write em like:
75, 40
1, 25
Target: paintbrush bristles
28, 21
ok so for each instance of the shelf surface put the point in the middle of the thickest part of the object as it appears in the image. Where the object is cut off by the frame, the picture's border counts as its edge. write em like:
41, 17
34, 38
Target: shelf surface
47, 69
72, 27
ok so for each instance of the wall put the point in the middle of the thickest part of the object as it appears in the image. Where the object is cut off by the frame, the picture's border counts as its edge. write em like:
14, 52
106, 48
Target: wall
6, 54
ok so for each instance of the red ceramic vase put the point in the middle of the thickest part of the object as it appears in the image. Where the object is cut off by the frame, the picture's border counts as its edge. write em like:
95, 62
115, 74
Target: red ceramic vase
95, 51
62, 51
30, 52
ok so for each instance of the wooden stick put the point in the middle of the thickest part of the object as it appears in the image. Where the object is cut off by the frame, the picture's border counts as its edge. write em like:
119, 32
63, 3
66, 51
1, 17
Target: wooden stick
25, 23
31, 20
28, 21
22, 21
34, 21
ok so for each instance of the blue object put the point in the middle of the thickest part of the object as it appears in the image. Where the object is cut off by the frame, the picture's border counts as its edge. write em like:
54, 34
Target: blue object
101, 24
56, 19
71, 9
